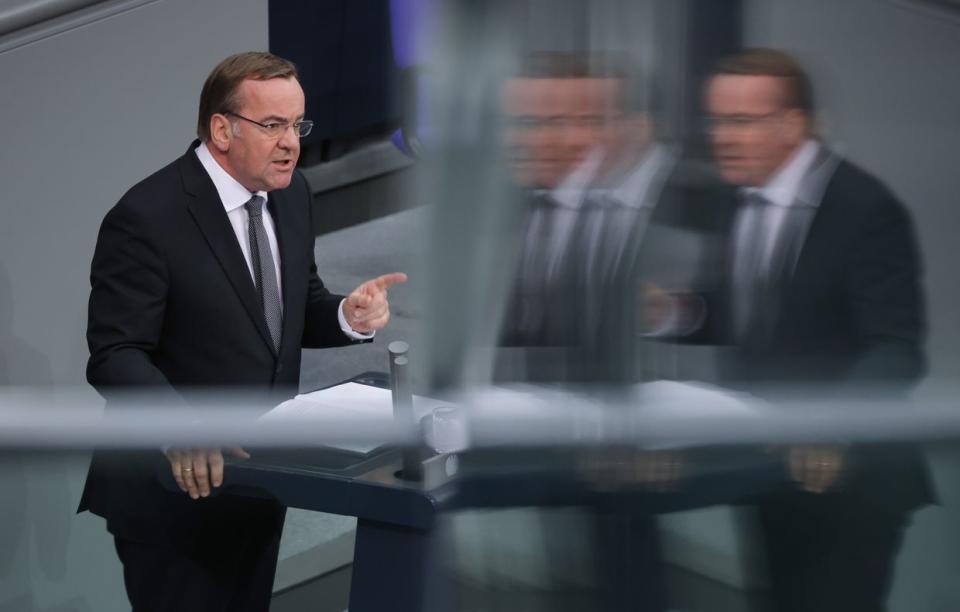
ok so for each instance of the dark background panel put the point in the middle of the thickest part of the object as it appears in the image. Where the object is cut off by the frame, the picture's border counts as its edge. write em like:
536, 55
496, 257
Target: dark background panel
343, 50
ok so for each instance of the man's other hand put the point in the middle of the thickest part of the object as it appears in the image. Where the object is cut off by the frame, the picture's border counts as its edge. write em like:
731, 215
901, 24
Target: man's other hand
366, 309
197, 469
669, 314
657, 308
816, 468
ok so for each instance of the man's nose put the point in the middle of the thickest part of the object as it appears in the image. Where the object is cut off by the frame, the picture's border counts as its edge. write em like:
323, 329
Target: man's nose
290, 139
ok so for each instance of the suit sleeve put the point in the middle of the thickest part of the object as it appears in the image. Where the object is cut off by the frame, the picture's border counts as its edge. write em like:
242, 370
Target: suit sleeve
128, 293
321, 328
885, 295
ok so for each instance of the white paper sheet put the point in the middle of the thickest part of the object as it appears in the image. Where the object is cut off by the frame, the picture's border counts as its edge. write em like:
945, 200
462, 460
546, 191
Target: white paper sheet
351, 400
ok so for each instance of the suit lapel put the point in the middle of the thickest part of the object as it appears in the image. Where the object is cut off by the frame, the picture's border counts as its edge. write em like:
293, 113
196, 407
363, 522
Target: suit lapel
210, 216
816, 191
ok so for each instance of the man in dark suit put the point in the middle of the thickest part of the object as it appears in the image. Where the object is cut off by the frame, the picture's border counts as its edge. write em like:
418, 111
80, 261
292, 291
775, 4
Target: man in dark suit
820, 288
204, 277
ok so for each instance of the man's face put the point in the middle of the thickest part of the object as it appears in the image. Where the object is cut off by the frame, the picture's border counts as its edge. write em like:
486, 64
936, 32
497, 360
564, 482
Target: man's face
752, 134
554, 123
260, 162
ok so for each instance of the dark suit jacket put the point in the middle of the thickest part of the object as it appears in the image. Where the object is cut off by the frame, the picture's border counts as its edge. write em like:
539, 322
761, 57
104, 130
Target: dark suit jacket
853, 308
172, 309
851, 316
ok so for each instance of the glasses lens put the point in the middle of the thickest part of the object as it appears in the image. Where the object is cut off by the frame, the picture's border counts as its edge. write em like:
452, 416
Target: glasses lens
304, 128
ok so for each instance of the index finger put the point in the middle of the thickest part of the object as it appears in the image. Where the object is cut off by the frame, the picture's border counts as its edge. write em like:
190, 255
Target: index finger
388, 280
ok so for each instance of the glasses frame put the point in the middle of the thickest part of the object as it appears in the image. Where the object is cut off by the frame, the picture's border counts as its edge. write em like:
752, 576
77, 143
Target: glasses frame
716, 123
301, 128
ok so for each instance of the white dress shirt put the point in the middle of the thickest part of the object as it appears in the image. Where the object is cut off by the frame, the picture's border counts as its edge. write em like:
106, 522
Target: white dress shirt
234, 196
784, 191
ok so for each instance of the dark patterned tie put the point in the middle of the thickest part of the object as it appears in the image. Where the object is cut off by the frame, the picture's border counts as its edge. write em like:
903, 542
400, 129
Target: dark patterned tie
264, 272
761, 274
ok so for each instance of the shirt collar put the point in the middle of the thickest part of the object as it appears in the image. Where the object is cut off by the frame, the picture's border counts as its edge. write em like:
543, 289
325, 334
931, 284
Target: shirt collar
569, 193
232, 194
785, 186
633, 188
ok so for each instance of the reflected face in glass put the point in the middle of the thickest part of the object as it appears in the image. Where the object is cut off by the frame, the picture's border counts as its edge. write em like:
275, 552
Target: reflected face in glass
554, 123
752, 133
258, 160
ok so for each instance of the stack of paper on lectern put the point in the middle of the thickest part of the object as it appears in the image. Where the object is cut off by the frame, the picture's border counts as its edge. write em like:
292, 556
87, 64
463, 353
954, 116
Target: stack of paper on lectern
351, 401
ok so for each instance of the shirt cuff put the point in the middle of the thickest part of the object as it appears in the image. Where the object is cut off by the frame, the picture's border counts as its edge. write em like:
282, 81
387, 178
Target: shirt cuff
349, 331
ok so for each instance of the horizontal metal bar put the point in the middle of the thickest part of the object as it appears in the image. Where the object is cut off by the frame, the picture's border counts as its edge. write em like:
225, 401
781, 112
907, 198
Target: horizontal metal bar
36, 420
360, 165
26, 21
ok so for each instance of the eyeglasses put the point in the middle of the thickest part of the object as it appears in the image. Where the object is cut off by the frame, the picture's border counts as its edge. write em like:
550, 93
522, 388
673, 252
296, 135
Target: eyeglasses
276, 129
739, 122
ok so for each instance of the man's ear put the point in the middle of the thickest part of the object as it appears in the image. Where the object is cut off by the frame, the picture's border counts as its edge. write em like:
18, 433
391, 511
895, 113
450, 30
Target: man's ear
221, 132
